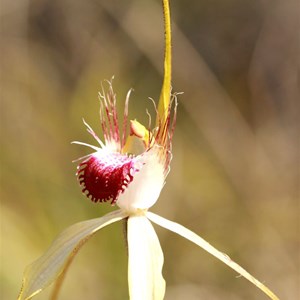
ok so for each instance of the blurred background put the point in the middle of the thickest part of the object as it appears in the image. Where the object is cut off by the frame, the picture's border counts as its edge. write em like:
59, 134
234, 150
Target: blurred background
235, 172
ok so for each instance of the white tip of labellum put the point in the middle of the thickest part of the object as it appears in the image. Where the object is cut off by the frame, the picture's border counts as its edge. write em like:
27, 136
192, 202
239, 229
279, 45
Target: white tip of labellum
145, 188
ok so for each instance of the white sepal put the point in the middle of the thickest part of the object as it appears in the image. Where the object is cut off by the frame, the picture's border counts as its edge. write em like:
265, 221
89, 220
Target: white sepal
145, 261
193, 237
42, 272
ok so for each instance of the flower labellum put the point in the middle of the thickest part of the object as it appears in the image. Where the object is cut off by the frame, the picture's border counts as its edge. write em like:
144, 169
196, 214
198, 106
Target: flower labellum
132, 181
104, 177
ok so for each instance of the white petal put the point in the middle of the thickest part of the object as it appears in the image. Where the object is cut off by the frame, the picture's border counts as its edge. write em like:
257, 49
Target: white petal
147, 183
49, 266
145, 261
191, 236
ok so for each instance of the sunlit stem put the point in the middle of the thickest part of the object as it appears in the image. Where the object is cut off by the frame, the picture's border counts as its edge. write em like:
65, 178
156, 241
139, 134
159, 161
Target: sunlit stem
164, 99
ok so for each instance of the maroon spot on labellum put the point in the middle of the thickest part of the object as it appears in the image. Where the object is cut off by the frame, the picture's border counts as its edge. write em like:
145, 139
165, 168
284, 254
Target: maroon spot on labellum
103, 178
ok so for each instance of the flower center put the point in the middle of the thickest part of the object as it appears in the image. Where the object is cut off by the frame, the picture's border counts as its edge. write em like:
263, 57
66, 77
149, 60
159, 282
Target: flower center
103, 176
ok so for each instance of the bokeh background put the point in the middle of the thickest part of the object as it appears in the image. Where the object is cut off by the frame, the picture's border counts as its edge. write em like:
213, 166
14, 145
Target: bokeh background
235, 171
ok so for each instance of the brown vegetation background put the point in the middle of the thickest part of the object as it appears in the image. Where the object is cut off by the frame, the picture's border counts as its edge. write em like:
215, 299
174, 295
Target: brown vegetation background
235, 171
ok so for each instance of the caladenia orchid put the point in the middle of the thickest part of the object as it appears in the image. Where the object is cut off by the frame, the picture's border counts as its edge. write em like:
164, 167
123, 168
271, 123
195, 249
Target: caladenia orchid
132, 182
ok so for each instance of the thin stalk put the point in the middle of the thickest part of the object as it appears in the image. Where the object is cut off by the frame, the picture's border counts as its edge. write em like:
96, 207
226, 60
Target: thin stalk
165, 95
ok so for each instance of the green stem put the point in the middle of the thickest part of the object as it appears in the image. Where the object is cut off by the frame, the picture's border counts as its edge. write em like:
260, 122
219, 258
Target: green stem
165, 95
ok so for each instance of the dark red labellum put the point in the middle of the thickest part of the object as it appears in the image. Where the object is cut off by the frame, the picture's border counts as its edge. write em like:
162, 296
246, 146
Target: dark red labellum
104, 177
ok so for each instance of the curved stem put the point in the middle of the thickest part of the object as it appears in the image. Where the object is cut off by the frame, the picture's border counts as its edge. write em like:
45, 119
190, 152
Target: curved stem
164, 100
59, 281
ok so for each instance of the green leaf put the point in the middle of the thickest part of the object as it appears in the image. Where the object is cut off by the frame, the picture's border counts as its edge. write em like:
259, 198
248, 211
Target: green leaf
193, 237
145, 261
56, 259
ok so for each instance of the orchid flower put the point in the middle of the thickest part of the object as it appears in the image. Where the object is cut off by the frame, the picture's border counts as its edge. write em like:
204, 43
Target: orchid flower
132, 182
